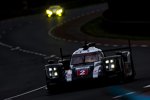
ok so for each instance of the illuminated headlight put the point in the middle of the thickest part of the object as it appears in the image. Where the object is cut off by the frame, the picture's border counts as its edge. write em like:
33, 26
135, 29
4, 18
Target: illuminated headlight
50, 74
111, 61
50, 69
59, 12
107, 61
107, 67
49, 12
55, 69
112, 66
55, 74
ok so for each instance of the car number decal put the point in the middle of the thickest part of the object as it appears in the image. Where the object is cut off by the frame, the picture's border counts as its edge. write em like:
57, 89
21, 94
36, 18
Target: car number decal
82, 72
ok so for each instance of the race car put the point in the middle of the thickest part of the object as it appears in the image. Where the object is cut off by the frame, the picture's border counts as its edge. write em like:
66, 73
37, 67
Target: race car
88, 63
54, 10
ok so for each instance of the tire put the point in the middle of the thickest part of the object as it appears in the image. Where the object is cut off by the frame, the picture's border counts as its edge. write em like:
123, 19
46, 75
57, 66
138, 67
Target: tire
131, 78
122, 78
52, 89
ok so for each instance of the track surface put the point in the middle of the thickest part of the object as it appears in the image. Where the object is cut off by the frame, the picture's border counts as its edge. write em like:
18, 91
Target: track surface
27, 43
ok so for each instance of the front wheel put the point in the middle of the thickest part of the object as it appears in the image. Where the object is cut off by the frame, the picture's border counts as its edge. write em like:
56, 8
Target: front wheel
52, 88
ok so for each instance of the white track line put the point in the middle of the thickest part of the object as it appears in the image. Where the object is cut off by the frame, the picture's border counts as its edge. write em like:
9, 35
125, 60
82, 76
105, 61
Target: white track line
119, 96
22, 50
16, 96
147, 86
5, 45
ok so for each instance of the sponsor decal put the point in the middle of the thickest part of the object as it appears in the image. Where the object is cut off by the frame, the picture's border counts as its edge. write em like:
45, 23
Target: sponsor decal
96, 71
68, 75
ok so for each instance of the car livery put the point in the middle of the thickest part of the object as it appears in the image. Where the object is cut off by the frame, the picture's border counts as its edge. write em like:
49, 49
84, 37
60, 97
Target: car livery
54, 10
85, 63
89, 63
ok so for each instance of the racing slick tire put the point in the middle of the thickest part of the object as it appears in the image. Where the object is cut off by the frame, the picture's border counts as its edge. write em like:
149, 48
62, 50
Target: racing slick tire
55, 89
52, 88
122, 78
131, 78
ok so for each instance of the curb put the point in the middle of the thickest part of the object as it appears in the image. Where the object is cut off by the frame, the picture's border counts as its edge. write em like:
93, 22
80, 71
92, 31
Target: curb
52, 34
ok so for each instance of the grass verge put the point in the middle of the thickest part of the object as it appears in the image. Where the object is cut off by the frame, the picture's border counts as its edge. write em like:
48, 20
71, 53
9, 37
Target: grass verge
94, 28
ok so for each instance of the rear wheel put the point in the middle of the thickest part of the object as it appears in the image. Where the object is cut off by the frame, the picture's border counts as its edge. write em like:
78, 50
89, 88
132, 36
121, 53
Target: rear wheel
124, 78
131, 77
130, 74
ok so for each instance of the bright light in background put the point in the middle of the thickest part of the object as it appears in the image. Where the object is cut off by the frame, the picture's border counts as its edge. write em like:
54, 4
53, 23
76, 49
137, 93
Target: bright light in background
54, 10
49, 13
59, 12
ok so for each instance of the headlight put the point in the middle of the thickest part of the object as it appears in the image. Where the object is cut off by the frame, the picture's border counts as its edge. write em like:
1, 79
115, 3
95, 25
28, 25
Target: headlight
112, 66
111, 61
49, 12
55, 74
50, 69
59, 12
54, 69
107, 67
107, 61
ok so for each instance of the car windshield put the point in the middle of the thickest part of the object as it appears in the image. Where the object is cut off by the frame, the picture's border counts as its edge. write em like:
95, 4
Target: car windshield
84, 58
55, 7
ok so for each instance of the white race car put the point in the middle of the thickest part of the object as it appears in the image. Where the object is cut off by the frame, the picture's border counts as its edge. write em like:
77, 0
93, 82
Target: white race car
89, 63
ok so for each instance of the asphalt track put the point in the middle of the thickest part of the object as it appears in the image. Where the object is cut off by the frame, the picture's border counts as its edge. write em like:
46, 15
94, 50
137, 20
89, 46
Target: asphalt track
25, 43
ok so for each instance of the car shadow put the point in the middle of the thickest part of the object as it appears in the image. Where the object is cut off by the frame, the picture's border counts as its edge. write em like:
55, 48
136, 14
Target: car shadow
84, 85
